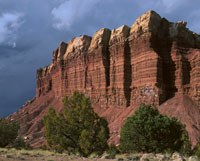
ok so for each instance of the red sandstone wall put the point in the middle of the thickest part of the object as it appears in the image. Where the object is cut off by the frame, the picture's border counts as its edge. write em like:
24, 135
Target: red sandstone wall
145, 64
98, 64
195, 75
120, 68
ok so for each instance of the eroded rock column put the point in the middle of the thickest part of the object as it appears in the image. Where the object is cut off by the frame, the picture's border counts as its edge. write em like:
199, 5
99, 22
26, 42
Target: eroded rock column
144, 60
75, 72
120, 68
98, 67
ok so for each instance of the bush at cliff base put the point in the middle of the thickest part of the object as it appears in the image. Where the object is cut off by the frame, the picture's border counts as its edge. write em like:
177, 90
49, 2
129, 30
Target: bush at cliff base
149, 131
197, 150
8, 132
78, 129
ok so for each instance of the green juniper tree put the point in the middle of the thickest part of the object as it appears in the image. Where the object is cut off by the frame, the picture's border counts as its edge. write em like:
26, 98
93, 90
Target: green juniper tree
149, 131
8, 132
78, 128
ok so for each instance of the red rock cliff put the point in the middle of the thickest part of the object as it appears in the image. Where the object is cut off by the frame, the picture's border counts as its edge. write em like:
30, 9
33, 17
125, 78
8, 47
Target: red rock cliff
155, 62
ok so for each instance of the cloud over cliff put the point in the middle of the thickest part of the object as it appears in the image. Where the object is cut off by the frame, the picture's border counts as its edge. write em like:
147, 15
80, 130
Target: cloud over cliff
9, 25
69, 12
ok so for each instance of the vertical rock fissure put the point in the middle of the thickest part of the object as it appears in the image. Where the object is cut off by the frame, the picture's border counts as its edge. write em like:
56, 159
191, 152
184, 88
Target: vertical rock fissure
127, 74
106, 64
167, 74
85, 70
186, 69
166, 77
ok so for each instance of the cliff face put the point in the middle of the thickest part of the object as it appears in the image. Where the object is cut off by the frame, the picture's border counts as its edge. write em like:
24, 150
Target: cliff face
153, 61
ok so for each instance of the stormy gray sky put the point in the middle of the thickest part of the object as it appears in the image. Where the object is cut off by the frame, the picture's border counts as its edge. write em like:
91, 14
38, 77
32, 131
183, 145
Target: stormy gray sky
31, 29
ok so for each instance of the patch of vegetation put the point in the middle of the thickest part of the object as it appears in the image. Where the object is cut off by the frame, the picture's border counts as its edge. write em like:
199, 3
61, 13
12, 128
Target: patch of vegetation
19, 143
8, 132
35, 154
112, 152
197, 150
149, 131
78, 129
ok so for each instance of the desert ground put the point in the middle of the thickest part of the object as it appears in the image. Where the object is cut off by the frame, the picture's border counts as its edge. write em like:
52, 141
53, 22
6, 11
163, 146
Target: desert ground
41, 155
44, 155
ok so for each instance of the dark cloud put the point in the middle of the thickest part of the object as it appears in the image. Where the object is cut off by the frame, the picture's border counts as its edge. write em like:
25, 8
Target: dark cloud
35, 28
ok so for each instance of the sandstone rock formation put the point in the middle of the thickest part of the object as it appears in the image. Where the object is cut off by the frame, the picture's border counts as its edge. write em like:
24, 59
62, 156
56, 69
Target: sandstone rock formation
155, 62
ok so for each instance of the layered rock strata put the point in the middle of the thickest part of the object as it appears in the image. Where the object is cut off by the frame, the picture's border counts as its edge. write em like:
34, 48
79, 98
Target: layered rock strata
151, 62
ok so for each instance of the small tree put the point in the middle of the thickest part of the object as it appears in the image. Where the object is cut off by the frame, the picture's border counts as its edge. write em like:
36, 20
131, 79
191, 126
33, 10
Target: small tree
51, 121
8, 132
78, 128
149, 131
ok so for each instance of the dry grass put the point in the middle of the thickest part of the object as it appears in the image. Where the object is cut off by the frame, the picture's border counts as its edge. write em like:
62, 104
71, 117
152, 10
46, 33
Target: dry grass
40, 155
44, 155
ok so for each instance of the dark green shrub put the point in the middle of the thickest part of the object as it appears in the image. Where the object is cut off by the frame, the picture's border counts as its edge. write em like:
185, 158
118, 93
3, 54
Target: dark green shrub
112, 151
19, 143
149, 131
8, 132
196, 150
78, 129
